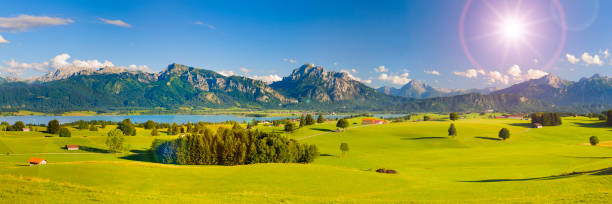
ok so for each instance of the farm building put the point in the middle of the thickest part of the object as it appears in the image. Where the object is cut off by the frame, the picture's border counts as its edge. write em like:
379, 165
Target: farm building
26, 129
500, 117
536, 125
37, 161
72, 147
373, 121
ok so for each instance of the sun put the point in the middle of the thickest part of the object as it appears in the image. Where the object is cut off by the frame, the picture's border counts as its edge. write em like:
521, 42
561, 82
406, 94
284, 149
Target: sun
512, 29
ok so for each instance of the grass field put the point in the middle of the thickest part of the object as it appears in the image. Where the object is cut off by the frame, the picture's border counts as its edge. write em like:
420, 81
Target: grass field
552, 165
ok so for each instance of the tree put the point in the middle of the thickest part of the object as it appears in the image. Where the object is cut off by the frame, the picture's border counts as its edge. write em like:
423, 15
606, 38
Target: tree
64, 132
609, 117
594, 140
342, 123
344, 148
82, 125
18, 126
114, 140
504, 133
320, 118
53, 127
309, 120
452, 131
127, 127
154, 131
302, 121
426, 118
149, 124
454, 116
93, 127
289, 126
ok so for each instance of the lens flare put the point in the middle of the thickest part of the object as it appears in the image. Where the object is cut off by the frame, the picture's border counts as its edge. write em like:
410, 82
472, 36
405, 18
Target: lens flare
512, 29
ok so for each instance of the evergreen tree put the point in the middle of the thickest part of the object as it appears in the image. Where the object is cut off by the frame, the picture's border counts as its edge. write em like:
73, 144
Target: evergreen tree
320, 118
309, 120
302, 121
426, 118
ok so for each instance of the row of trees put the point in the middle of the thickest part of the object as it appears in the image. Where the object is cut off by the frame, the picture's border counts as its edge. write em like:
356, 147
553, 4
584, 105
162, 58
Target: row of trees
546, 119
232, 147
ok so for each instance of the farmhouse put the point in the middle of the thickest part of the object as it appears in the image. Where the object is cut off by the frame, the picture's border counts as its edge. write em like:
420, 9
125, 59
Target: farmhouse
373, 121
500, 117
37, 161
72, 147
536, 125
25, 129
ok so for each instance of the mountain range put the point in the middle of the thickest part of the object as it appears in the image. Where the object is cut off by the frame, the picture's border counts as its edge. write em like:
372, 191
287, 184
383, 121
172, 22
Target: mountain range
308, 87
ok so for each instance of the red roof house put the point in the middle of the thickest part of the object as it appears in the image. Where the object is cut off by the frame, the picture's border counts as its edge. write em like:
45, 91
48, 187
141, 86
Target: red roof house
37, 161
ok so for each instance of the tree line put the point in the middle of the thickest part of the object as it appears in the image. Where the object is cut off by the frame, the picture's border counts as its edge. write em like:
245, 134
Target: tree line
234, 146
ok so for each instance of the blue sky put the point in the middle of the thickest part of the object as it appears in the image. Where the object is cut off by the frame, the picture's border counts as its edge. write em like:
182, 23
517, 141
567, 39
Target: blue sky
413, 40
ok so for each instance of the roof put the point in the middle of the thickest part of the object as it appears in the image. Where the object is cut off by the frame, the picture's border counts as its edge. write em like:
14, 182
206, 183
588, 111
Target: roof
36, 160
369, 119
71, 145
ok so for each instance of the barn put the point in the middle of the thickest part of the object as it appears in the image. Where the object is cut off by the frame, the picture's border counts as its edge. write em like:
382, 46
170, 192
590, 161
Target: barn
37, 161
72, 147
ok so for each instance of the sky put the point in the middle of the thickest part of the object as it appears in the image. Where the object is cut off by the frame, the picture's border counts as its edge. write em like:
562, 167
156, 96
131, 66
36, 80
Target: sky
448, 44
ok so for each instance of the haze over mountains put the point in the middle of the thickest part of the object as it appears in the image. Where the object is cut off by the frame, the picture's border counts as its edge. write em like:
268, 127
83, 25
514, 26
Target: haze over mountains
307, 87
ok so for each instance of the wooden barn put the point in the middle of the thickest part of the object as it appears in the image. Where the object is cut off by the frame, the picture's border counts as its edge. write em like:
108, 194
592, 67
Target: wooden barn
72, 147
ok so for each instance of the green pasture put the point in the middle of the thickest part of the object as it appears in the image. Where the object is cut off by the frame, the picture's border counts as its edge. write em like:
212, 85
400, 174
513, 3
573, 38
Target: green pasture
550, 165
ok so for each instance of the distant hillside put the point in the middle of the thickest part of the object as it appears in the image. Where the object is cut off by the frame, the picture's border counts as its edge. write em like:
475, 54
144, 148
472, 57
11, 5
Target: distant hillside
416, 89
177, 86
476, 102
594, 90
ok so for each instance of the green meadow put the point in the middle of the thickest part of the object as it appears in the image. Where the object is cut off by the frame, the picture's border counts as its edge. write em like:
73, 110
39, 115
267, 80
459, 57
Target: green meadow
550, 165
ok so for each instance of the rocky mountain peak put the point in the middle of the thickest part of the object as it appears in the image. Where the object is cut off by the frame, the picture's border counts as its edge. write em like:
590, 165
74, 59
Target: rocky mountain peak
551, 80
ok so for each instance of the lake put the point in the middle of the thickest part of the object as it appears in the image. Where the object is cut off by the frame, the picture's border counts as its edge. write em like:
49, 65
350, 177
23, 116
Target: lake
156, 118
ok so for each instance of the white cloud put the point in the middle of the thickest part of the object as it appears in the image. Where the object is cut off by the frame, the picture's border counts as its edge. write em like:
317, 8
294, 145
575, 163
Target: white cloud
205, 24
244, 70
536, 61
432, 72
470, 73
354, 70
61, 62
227, 73
119, 23
591, 59
268, 79
292, 61
26, 22
381, 69
605, 53
395, 79
367, 81
515, 71
2, 40
142, 68
572, 59
535, 73
496, 76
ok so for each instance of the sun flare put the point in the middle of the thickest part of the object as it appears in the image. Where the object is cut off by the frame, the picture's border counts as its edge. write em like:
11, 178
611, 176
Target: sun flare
512, 29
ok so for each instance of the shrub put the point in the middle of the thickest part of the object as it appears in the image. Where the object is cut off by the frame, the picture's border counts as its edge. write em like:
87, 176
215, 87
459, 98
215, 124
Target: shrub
289, 127
546, 119
64, 132
127, 127
344, 148
594, 140
504, 133
342, 123
426, 118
